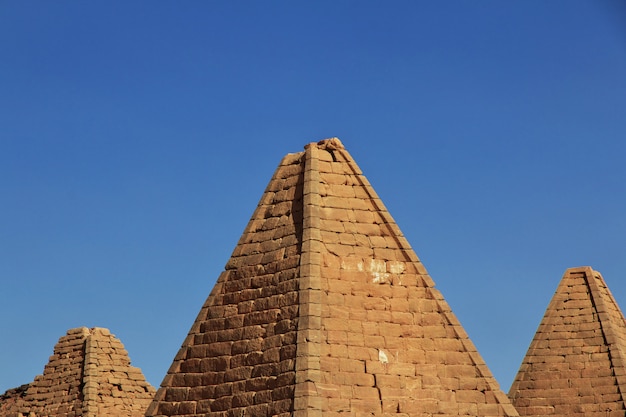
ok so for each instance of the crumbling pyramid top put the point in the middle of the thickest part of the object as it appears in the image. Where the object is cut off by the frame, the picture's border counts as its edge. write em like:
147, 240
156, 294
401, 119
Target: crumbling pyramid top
324, 309
575, 363
89, 374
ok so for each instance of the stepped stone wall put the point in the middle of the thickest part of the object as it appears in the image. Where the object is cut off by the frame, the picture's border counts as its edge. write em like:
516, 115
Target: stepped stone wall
575, 365
89, 374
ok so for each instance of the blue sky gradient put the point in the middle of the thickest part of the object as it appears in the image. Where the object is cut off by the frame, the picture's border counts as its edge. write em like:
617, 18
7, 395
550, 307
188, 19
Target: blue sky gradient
136, 139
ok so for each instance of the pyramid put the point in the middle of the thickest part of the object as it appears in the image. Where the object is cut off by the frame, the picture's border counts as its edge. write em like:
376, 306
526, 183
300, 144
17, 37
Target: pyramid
575, 364
88, 375
324, 309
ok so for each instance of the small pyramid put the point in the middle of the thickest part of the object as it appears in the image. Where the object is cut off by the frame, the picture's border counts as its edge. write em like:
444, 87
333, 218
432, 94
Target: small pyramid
88, 375
575, 364
324, 309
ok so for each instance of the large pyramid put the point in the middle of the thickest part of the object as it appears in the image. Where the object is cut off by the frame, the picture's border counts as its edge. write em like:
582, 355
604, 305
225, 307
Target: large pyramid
575, 364
89, 375
324, 309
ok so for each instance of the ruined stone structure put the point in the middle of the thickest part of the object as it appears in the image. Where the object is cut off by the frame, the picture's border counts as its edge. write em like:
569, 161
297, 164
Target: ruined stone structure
88, 375
324, 309
576, 363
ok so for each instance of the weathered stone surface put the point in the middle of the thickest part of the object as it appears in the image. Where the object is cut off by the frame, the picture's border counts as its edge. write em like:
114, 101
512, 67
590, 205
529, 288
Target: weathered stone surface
575, 364
11, 400
337, 314
89, 374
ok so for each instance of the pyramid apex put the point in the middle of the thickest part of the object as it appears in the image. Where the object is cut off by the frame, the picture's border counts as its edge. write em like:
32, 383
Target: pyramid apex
329, 144
86, 331
102, 330
571, 273
579, 269
78, 330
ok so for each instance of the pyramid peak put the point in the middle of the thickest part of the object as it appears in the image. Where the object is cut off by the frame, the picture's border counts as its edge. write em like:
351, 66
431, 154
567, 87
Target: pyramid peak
328, 144
86, 331
580, 269
78, 331
101, 330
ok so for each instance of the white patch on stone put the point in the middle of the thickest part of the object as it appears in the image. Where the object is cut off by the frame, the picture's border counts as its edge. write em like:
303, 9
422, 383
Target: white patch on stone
396, 267
378, 269
382, 356
352, 264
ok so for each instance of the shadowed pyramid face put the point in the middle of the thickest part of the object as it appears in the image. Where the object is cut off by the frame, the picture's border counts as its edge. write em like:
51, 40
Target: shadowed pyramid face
324, 309
575, 364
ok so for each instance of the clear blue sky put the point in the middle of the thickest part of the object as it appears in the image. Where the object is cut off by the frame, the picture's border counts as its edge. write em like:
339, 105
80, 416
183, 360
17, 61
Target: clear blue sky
136, 139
